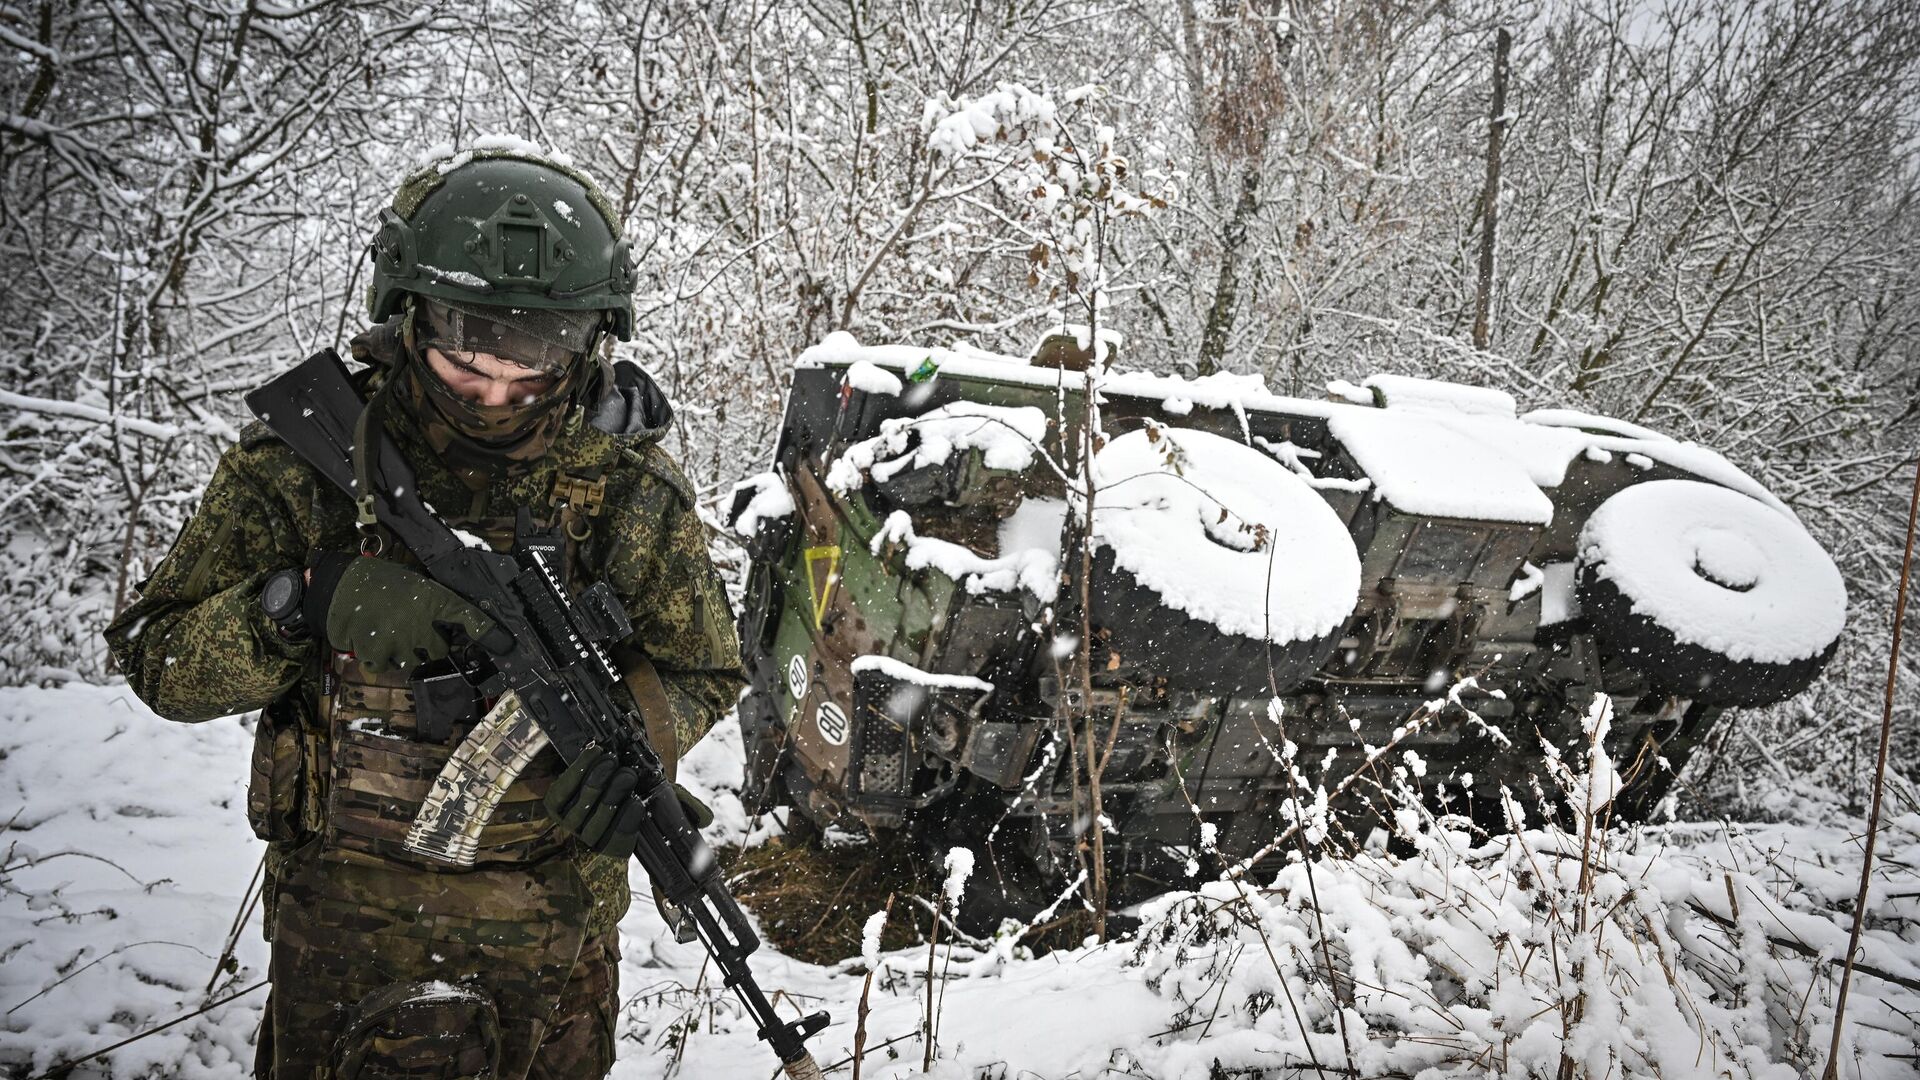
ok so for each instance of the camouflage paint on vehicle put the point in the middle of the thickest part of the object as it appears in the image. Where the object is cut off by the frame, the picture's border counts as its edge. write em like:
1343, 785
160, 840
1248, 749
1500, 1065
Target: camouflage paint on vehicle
1437, 605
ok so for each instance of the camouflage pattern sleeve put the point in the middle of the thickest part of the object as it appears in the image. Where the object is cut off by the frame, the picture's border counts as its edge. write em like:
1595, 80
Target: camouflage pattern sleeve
658, 563
196, 644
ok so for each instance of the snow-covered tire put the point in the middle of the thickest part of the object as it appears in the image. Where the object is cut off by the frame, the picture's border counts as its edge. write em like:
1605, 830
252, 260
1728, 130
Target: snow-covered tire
1711, 594
1192, 653
1215, 565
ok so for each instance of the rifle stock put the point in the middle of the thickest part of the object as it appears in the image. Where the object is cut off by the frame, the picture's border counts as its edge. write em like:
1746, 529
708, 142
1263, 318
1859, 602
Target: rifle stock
554, 679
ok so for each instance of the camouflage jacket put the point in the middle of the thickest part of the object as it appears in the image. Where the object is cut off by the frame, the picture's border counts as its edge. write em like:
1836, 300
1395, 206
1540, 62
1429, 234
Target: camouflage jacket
196, 644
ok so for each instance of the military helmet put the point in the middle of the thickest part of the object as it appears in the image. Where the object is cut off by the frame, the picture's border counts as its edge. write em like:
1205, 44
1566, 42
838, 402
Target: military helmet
502, 228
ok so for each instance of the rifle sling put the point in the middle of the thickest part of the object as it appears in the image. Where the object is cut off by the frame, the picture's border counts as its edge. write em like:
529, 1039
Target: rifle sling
643, 682
365, 451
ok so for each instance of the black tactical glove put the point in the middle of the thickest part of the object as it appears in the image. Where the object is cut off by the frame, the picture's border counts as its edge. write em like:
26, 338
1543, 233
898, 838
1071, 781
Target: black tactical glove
594, 800
697, 812
387, 615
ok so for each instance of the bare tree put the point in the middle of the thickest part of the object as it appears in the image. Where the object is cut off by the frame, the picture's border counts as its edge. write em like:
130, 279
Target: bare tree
1706, 218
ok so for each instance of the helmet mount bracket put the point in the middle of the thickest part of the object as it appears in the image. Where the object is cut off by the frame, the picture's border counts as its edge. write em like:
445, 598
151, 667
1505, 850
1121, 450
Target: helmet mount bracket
518, 245
502, 229
393, 244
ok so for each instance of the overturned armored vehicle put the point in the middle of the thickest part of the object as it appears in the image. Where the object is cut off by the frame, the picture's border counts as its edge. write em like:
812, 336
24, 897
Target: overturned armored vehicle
1408, 567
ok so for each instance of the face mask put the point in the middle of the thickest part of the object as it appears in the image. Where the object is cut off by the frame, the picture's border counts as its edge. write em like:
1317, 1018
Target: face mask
493, 424
491, 439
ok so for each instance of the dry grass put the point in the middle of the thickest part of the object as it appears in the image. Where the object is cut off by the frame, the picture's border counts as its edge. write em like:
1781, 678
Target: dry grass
813, 901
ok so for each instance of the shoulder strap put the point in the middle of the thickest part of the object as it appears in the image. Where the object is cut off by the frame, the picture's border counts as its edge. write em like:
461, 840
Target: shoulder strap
643, 682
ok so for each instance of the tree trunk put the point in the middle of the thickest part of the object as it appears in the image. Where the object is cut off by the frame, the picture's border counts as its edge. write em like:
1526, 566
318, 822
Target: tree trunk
1490, 194
1226, 290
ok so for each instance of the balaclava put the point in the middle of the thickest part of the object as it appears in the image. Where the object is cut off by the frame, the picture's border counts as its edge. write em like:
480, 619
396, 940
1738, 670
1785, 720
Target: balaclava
498, 438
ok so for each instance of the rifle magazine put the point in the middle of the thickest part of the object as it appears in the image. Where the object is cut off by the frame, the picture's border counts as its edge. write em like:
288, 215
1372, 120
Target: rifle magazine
470, 786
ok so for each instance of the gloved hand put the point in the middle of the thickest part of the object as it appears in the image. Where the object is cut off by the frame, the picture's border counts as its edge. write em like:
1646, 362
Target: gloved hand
697, 812
387, 615
594, 800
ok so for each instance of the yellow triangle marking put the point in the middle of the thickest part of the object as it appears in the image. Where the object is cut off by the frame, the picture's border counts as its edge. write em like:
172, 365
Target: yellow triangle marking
823, 570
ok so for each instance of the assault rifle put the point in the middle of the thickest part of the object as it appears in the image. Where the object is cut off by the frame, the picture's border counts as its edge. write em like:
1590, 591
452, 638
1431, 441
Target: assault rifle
552, 681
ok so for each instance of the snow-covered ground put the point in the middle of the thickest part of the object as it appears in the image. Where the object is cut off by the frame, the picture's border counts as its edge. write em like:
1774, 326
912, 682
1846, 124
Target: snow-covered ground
1681, 951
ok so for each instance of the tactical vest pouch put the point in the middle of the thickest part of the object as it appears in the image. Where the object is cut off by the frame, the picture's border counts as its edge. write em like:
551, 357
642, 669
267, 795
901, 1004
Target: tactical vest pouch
276, 781
381, 772
442, 701
420, 1030
387, 747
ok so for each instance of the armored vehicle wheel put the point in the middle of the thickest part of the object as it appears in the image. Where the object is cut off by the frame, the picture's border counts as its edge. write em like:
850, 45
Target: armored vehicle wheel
1193, 653
1712, 595
1216, 566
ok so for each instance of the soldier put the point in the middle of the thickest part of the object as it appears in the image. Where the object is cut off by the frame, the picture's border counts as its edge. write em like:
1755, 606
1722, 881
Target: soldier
496, 275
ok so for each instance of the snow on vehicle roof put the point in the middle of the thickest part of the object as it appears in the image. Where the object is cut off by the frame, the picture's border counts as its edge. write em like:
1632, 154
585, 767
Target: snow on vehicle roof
1540, 445
1406, 392
1420, 464
1604, 425
1221, 391
873, 380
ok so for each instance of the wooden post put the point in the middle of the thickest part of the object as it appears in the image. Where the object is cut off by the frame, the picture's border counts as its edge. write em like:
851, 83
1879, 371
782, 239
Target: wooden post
1490, 194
